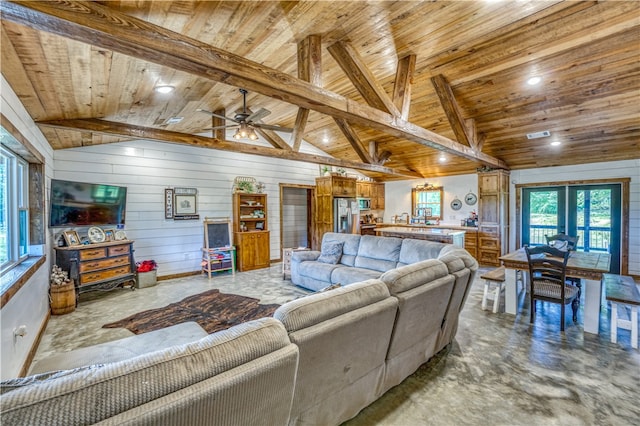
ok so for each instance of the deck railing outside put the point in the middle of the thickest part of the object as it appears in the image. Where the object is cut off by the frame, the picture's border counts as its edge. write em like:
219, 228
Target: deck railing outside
596, 239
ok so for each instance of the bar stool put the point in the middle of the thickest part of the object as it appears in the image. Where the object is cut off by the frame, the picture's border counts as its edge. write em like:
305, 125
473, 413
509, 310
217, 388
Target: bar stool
495, 278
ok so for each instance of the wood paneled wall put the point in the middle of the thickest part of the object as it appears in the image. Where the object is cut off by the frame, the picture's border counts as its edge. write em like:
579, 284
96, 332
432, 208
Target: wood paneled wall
146, 168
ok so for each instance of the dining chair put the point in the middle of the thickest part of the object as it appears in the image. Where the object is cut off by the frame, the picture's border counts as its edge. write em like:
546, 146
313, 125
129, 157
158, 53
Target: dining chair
566, 242
547, 272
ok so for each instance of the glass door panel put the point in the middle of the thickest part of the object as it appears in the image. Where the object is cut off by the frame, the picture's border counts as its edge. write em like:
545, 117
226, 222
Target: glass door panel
543, 213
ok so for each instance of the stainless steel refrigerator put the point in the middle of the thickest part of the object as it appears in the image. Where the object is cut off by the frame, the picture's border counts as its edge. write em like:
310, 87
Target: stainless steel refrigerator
346, 216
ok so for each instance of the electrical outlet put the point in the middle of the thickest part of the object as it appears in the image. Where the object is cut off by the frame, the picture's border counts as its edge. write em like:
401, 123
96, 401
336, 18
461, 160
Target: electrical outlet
452, 217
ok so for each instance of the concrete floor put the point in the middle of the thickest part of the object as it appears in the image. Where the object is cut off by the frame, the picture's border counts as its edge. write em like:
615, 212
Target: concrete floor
499, 370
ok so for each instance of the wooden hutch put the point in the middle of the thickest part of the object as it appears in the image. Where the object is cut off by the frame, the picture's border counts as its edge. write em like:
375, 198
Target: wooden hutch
250, 231
493, 216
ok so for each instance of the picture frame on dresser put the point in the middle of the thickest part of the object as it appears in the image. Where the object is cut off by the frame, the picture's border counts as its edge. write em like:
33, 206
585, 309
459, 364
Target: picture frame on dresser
71, 238
110, 235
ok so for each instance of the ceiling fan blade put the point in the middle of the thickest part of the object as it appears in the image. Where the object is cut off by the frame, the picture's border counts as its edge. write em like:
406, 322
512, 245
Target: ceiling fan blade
230, 126
259, 114
213, 114
270, 127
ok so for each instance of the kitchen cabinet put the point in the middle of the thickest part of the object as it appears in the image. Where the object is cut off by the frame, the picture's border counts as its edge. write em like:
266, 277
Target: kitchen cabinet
377, 195
363, 189
493, 216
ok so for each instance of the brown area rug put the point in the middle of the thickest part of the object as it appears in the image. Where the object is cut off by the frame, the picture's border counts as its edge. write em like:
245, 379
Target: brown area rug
212, 310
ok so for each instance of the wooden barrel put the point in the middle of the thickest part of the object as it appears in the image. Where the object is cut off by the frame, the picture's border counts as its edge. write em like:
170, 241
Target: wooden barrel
63, 298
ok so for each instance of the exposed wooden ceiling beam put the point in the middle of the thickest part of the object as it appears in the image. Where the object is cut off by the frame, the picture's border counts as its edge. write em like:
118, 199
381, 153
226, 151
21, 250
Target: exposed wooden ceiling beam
219, 133
309, 70
378, 158
402, 85
464, 129
107, 28
111, 128
273, 138
361, 77
353, 139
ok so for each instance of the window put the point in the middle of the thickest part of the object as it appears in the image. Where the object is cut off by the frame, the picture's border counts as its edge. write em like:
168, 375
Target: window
426, 202
14, 209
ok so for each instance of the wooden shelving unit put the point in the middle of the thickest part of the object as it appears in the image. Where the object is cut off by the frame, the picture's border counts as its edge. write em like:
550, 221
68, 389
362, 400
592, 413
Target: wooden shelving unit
250, 231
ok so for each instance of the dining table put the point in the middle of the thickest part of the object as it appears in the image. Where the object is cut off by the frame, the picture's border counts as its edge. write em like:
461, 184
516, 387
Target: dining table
588, 266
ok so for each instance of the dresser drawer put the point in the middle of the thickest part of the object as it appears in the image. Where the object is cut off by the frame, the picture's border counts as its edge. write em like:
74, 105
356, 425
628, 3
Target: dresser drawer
92, 277
103, 264
118, 250
96, 253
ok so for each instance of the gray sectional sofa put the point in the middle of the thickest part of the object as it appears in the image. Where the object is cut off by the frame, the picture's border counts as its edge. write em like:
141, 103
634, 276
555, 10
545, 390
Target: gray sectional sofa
359, 258
320, 360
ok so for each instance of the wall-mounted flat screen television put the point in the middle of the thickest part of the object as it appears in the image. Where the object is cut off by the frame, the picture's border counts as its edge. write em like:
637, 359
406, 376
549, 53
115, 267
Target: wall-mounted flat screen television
86, 204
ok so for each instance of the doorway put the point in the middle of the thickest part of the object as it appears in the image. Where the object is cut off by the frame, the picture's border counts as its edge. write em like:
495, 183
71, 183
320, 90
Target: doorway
592, 212
296, 207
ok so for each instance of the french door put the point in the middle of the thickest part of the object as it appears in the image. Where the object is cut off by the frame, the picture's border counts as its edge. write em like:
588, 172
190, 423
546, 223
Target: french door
592, 212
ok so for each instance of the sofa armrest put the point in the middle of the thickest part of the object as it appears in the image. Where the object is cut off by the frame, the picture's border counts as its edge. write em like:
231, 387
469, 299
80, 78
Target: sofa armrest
302, 256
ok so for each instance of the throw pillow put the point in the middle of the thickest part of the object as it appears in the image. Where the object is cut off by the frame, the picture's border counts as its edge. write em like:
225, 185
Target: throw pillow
331, 253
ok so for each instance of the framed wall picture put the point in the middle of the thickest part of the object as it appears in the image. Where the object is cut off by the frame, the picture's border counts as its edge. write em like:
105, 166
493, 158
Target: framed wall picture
168, 203
71, 238
185, 205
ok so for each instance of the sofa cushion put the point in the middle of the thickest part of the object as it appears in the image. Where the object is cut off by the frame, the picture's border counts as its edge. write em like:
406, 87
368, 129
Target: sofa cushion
120, 386
319, 307
351, 242
407, 277
378, 253
317, 270
413, 251
331, 252
349, 275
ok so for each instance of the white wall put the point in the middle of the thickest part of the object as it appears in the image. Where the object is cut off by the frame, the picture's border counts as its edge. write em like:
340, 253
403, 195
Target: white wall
398, 194
146, 168
30, 305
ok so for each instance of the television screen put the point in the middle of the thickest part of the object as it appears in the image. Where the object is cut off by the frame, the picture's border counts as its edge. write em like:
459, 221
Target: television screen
85, 204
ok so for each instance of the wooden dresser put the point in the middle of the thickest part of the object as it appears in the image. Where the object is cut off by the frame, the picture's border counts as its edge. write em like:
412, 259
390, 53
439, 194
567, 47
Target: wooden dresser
101, 266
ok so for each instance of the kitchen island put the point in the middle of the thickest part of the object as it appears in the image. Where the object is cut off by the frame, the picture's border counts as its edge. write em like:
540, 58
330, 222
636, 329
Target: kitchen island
449, 236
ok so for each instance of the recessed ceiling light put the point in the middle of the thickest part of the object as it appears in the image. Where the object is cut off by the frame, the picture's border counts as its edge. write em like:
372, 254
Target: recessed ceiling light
164, 89
534, 80
555, 143
442, 158
325, 140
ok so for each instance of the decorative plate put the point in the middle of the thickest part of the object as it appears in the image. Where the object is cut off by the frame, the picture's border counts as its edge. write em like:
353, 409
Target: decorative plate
456, 204
96, 235
470, 198
120, 235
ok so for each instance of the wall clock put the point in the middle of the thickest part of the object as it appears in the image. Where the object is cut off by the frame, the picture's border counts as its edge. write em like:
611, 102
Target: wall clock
470, 198
456, 204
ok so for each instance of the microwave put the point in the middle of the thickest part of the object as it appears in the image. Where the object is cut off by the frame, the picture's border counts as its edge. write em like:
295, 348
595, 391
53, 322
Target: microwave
364, 203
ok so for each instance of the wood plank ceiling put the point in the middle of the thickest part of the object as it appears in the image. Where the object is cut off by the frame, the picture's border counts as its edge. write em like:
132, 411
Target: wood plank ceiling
384, 87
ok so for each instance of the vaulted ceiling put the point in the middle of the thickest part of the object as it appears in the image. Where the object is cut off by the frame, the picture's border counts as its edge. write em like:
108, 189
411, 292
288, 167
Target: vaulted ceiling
393, 89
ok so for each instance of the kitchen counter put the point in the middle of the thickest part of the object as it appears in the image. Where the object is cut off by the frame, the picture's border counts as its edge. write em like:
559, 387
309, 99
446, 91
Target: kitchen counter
442, 235
422, 225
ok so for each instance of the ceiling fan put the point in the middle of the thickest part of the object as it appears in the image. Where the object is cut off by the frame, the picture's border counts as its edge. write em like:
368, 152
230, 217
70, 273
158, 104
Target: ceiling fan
245, 121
